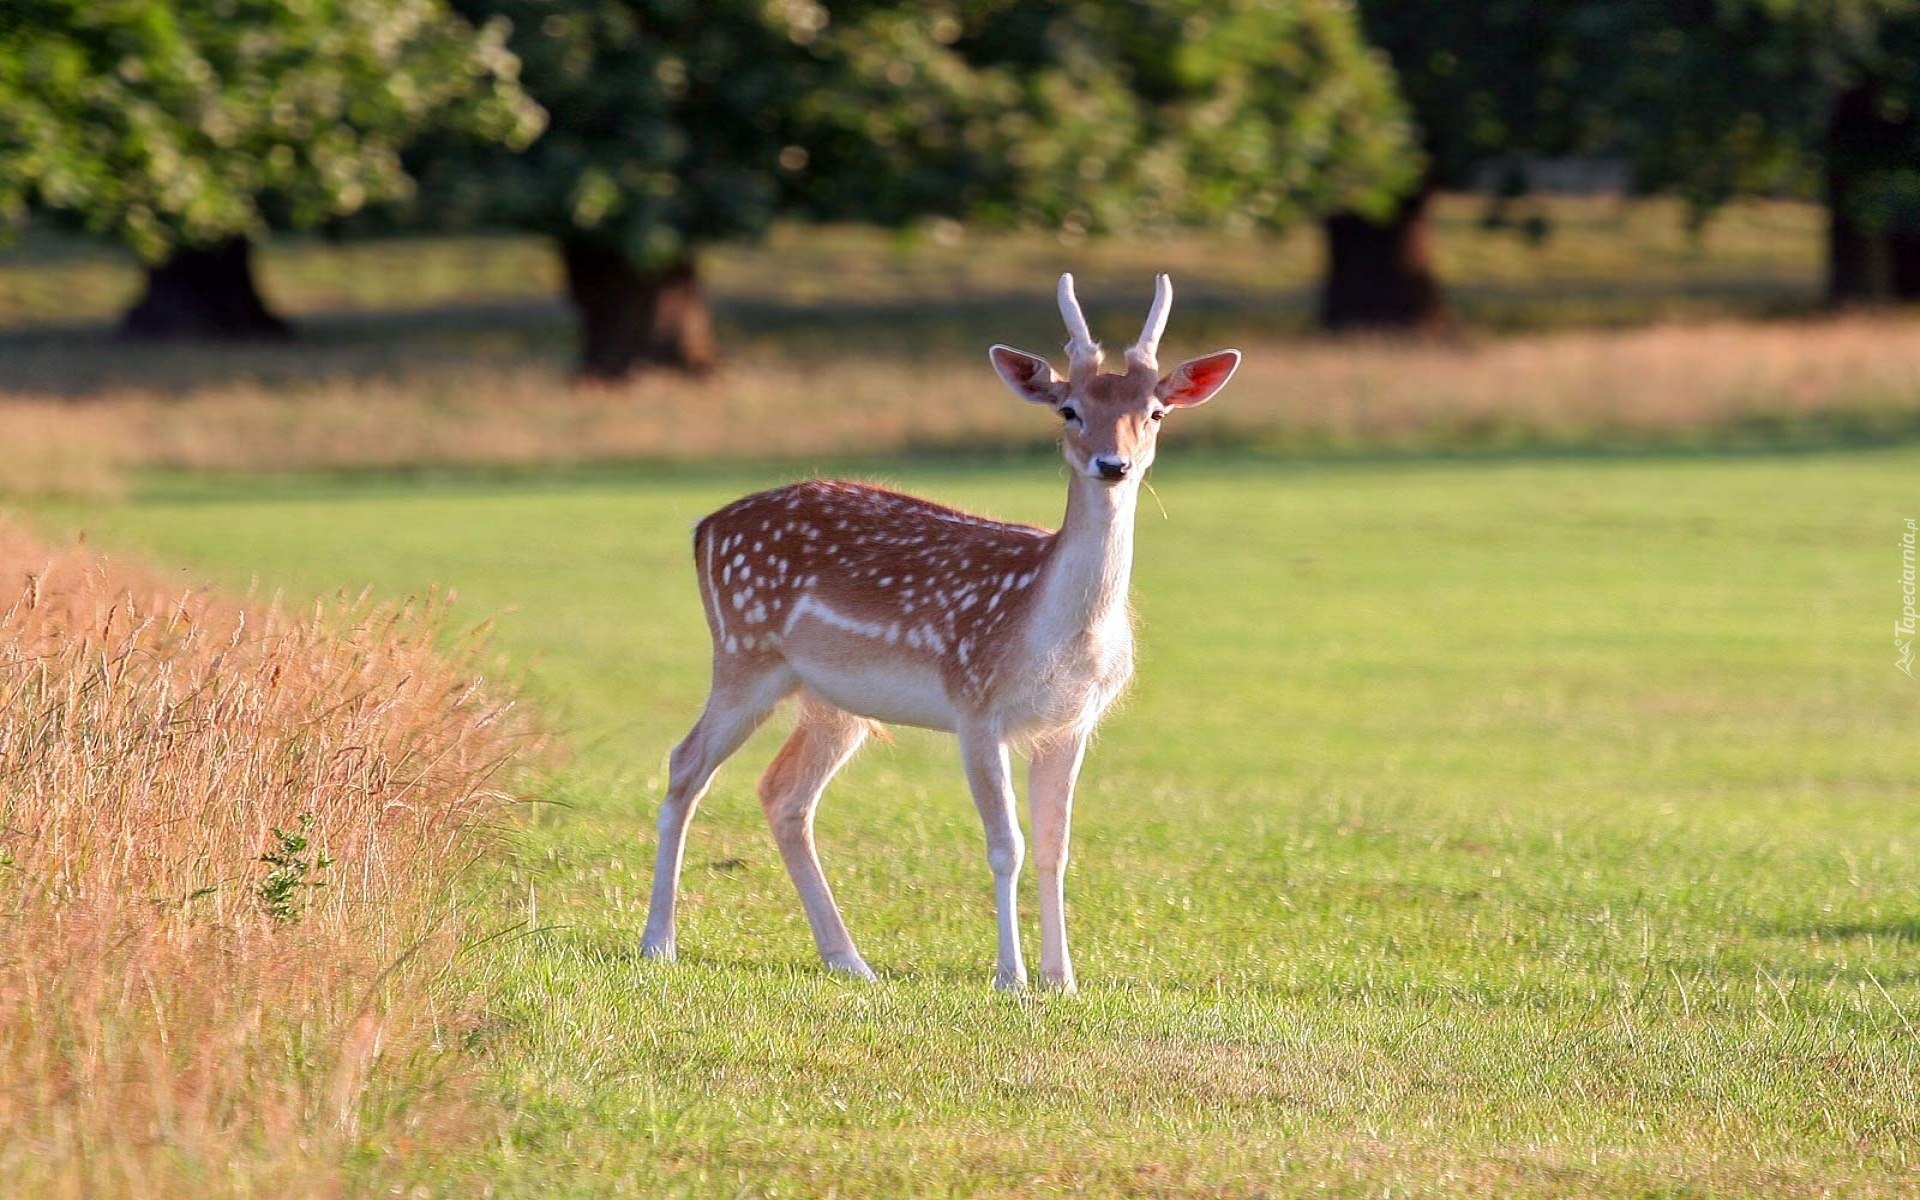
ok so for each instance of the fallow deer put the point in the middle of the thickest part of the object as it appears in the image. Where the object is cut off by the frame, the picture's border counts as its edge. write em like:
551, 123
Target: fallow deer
875, 607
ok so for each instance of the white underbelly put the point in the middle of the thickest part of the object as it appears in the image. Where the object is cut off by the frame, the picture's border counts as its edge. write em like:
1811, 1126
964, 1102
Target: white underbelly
892, 694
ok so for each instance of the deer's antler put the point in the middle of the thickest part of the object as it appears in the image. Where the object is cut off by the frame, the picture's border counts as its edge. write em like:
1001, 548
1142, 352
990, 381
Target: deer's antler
1083, 353
1146, 351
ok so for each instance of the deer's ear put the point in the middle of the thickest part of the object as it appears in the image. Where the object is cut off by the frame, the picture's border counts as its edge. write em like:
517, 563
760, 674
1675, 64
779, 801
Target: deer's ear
1029, 376
1197, 379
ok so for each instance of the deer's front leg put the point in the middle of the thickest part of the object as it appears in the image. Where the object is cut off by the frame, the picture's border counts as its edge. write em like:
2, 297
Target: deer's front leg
1050, 783
988, 774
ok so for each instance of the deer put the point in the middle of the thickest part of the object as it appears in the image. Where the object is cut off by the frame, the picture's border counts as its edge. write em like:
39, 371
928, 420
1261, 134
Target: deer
876, 608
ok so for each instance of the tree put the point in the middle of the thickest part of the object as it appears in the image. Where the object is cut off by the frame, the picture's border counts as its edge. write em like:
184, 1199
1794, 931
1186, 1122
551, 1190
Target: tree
1709, 99
678, 124
672, 127
1483, 82
184, 128
1731, 97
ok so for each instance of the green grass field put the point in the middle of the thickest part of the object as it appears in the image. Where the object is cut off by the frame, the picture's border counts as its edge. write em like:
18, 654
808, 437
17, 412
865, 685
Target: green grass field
1604, 261
1517, 827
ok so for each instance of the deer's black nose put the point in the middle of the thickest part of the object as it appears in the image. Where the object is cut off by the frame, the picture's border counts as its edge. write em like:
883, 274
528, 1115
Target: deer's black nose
1111, 467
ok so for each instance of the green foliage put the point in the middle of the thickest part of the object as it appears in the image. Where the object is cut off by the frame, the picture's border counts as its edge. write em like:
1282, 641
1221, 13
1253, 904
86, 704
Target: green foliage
667, 119
1716, 99
1491, 79
1706, 98
1740, 96
1114, 116
676, 124
294, 872
917, 121
1292, 116
167, 122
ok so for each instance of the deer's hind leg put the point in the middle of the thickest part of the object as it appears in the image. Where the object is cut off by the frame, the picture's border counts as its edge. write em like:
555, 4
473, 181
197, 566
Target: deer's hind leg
821, 743
744, 692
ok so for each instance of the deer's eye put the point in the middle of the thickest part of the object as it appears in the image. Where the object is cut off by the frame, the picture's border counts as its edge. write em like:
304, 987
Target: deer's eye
1157, 413
1067, 413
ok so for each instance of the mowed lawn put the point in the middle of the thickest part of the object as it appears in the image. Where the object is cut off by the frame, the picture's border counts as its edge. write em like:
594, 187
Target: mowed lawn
1475, 827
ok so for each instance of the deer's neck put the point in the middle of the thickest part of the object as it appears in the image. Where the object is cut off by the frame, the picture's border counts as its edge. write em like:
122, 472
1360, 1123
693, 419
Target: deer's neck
1091, 566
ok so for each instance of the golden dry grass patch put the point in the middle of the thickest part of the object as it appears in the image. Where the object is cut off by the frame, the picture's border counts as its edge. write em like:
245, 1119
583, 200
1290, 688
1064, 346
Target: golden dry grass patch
1651, 385
226, 838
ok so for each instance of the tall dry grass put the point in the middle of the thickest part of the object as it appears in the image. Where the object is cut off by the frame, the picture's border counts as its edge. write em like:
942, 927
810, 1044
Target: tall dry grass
1855, 377
177, 1016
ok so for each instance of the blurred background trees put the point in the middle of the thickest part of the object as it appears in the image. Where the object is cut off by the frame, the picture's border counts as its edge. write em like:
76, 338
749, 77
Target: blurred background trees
1486, 83
667, 124
1743, 97
183, 128
1710, 99
675, 125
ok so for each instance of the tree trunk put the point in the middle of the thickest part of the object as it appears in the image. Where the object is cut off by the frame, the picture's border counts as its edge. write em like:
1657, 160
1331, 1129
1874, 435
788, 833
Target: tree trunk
1381, 276
204, 292
630, 318
1866, 264
1905, 251
1860, 262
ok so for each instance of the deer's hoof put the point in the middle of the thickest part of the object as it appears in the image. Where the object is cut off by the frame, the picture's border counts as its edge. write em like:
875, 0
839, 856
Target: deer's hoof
659, 950
852, 967
1061, 984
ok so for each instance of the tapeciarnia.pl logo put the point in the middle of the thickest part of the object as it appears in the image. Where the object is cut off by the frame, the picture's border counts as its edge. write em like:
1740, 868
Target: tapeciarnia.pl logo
1903, 629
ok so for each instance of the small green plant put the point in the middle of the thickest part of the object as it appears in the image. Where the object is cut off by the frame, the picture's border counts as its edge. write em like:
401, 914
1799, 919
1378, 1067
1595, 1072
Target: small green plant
294, 871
